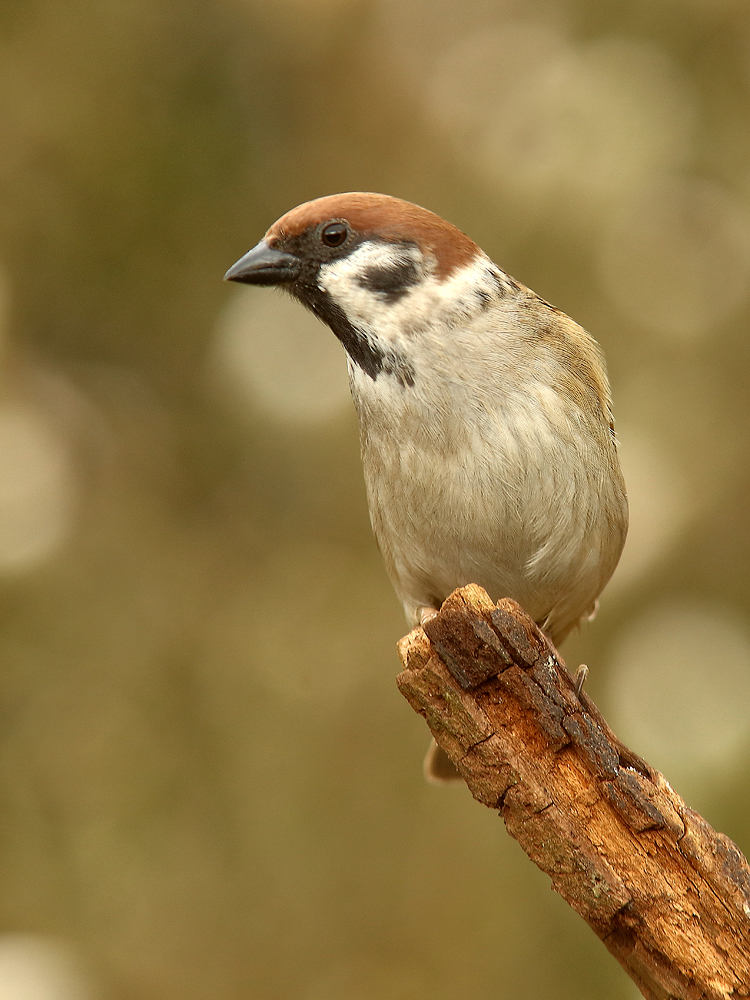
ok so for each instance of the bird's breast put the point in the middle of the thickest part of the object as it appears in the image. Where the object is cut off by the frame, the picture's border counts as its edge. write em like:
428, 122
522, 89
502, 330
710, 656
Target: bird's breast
497, 490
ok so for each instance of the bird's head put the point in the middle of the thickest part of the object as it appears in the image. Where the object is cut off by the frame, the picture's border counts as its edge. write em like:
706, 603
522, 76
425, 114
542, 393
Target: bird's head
375, 268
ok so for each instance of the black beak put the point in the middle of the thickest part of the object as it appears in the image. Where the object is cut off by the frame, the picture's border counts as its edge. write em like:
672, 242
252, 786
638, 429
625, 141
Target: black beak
263, 265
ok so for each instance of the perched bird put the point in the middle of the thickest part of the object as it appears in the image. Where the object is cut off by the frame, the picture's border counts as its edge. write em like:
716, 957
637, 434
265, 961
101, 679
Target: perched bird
486, 431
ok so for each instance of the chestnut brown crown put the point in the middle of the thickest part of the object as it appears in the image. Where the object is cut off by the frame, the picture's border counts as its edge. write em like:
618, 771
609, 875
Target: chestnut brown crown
384, 217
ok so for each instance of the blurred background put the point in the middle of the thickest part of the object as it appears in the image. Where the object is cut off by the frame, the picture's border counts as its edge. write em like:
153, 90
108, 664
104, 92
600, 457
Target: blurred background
209, 785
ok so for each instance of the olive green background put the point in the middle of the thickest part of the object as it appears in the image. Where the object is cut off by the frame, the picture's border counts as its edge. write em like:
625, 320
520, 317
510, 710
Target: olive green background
209, 785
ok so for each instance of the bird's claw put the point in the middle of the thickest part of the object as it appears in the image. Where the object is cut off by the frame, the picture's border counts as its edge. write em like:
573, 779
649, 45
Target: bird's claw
580, 678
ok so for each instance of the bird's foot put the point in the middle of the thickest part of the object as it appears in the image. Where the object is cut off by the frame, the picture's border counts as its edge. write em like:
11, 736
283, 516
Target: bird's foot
592, 612
425, 614
580, 678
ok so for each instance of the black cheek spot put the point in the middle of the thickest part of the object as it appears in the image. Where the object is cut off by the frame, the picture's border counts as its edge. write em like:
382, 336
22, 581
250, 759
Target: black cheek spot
390, 281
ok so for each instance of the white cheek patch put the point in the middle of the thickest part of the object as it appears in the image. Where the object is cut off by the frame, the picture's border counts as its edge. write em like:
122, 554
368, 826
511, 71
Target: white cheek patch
390, 290
368, 255
372, 279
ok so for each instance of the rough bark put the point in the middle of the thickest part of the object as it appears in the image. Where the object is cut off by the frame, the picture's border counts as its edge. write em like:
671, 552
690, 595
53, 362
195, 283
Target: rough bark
668, 896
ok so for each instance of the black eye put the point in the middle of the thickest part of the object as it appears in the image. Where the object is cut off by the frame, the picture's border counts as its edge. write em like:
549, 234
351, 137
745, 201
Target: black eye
334, 234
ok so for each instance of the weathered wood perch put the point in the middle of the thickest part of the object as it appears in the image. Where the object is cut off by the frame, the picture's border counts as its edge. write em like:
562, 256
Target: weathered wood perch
668, 895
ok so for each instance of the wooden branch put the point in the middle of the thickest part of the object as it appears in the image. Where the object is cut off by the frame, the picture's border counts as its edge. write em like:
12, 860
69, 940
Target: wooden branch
668, 895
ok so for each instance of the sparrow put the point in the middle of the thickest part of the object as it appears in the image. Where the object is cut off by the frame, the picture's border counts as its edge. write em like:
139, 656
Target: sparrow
486, 428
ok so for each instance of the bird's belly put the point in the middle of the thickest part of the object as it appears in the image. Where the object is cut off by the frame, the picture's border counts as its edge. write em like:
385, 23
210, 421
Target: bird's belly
518, 529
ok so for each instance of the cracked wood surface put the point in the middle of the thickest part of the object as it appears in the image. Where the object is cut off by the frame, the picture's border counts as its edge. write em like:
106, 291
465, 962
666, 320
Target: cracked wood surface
668, 895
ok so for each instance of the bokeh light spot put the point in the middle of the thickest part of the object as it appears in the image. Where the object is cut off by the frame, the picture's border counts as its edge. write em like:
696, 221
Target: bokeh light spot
680, 686
531, 110
675, 257
37, 488
660, 501
38, 968
273, 355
